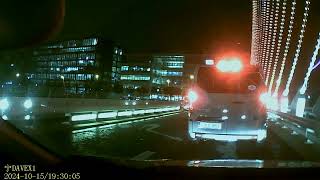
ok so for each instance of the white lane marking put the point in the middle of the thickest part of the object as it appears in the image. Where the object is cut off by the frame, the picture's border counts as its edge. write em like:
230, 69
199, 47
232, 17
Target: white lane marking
154, 126
143, 156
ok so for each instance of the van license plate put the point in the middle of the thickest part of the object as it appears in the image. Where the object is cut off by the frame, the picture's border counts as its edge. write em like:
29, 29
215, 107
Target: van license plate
210, 125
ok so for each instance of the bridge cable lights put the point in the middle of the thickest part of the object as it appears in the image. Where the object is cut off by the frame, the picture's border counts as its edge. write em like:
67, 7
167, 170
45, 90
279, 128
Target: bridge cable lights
268, 33
257, 36
302, 100
286, 50
269, 39
282, 22
270, 13
272, 33
254, 33
270, 60
310, 68
261, 29
265, 32
296, 56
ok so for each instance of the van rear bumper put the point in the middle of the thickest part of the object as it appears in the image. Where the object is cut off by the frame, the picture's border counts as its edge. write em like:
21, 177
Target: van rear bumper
225, 137
260, 136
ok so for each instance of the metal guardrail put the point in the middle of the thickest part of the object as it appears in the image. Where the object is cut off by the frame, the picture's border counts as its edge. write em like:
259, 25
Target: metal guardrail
114, 114
308, 128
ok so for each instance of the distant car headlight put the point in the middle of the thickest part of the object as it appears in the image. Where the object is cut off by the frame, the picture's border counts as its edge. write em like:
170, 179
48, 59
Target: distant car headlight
4, 104
134, 103
4, 117
27, 117
27, 104
262, 135
126, 103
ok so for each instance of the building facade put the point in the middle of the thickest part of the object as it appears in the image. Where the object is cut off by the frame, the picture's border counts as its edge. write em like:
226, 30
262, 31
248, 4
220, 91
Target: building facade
77, 67
136, 72
158, 76
168, 70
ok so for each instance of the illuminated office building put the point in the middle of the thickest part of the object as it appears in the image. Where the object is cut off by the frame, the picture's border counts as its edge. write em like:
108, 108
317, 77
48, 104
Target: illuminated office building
78, 65
155, 74
136, 72
167, 70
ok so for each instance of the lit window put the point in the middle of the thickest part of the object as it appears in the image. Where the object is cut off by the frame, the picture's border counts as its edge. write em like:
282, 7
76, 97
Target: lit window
95, 41
135, 77
124, 68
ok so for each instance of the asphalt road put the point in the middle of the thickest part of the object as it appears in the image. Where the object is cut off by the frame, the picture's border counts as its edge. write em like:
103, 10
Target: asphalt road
166, 138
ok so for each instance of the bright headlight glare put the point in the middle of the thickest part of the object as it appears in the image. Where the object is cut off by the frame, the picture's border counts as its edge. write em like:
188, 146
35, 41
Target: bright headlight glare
27, 104
4, 104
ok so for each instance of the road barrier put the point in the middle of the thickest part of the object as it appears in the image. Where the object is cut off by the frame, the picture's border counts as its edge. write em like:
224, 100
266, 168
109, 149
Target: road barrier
42, 108
105, 115
308, 128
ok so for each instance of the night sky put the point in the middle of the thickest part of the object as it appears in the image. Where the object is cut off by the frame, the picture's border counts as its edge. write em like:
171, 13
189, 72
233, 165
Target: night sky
185, 26
212, 27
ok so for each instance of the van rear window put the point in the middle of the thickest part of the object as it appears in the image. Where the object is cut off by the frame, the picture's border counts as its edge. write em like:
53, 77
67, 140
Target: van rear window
212, 81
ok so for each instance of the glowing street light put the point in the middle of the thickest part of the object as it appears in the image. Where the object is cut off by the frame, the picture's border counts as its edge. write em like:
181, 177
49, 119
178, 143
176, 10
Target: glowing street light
191, 76
4, 104
27, 104
97, 76
18, 75
168, 81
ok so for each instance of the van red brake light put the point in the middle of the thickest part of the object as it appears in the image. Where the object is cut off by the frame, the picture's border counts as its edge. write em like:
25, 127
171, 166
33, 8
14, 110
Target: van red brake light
232, 66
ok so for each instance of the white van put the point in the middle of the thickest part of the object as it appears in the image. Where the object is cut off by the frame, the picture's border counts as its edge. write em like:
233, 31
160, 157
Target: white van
225, 103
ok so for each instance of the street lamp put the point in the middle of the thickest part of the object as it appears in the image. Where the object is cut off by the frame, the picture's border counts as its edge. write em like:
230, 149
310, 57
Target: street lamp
64, 86
18, 75
27, 104
191, 76
168, 81
97, 76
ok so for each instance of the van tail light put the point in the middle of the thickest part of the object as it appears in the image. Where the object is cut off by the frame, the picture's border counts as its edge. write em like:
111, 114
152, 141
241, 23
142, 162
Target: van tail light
192, 96
264, 98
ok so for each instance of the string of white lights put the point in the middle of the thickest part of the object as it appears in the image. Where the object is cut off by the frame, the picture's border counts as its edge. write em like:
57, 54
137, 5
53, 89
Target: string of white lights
265, 32
270, 60
254, 32
262, 32
263, 29
286, 49
310, 68
258, 30
275, 64
297, 53
269, 39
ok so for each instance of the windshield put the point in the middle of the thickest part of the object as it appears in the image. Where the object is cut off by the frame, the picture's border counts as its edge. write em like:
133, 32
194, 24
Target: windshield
118, 80
214, 82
